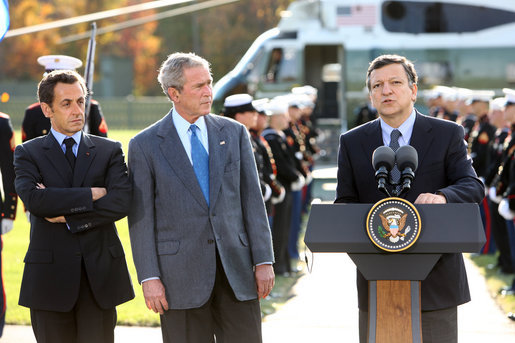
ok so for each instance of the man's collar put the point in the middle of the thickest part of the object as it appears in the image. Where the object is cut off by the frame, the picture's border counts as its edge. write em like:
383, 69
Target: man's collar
61, 137
182, 125
404, 128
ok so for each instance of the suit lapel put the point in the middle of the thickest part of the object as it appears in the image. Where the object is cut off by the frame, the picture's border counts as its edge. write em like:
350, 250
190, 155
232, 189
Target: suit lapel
56, 156
218, 143
174, 153
85, 156
422, 137
372, 139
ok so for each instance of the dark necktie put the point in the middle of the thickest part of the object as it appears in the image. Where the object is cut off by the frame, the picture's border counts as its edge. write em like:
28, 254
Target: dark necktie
70, 156
200, 160
395, 174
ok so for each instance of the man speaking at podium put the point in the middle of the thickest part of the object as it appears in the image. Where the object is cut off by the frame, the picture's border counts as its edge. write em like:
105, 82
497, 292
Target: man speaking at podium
444, 175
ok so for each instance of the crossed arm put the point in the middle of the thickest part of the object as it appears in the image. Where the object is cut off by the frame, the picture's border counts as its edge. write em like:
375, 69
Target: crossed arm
82, 208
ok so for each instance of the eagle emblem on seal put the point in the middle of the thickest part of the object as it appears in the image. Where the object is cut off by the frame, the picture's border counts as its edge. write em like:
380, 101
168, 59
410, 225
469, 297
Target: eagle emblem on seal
393, 224
394, 221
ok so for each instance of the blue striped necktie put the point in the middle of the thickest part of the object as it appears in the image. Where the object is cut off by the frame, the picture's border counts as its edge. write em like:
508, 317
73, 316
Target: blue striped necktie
200, 160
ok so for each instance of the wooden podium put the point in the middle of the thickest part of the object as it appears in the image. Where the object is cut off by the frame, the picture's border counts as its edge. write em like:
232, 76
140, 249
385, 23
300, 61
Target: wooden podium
394, 293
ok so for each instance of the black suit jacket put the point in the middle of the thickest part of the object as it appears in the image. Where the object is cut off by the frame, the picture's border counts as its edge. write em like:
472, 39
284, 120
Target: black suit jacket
443, 166
53, 261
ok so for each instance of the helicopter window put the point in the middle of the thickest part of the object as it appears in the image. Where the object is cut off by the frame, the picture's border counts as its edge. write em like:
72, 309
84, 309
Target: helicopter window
437, 17
282, 66
252, 70
433, 73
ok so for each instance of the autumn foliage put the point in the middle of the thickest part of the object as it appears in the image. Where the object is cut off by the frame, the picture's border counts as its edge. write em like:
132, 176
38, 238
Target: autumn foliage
220, 34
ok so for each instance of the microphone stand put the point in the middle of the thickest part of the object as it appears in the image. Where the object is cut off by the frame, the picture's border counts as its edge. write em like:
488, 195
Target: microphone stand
381, 177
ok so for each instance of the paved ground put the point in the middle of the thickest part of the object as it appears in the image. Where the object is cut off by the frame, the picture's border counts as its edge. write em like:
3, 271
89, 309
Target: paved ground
324, 309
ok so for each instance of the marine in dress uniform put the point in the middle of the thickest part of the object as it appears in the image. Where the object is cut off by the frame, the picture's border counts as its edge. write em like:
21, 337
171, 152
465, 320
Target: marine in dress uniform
495, 158
9, 198
269, 166
506, 186
498, 187
296, 140
479, 145
307, 127
483, 132
288, 175
35, 123
239, 107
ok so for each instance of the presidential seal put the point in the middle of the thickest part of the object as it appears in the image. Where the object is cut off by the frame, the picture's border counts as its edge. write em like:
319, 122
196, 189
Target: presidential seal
393, 224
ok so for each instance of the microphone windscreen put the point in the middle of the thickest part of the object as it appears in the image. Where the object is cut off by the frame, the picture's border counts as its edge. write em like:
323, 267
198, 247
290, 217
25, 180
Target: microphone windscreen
383, 156
407, 157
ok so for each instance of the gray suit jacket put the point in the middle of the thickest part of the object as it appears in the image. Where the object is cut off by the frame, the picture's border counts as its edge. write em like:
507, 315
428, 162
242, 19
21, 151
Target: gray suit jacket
174, 234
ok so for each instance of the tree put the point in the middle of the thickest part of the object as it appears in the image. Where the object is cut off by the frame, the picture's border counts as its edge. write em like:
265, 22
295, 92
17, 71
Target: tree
224, 34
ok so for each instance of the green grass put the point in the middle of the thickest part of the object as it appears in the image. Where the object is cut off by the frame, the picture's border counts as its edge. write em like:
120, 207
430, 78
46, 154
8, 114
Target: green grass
15, 246
131, 313
495, 281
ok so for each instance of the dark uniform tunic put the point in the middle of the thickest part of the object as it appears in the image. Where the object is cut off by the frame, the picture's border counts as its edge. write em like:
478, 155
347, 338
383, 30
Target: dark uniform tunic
286, 174
468, 124
8, 202
501, 181
266, 168
480, 141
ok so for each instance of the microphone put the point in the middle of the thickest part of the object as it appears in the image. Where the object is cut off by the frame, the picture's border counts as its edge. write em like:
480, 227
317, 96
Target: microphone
407, 162
383, 160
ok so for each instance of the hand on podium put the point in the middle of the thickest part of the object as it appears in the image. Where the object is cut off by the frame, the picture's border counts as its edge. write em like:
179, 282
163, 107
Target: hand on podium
430, 198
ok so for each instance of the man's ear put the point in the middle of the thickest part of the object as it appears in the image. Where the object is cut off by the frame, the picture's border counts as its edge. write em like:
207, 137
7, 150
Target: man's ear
47, 110
173, 93
414, 90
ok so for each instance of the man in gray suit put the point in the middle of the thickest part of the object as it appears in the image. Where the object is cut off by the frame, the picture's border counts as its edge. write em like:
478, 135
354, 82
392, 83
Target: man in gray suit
199, 231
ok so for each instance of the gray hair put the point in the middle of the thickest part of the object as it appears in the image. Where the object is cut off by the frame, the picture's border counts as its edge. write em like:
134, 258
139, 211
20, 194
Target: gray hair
171, 72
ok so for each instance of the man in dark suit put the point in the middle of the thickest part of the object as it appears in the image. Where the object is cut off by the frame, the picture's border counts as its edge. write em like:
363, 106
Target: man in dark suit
9, 199
36, 124
444, 175
199, 231
76, 186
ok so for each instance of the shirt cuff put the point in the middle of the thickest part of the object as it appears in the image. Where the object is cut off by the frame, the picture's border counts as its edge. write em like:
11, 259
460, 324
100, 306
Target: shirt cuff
150, 278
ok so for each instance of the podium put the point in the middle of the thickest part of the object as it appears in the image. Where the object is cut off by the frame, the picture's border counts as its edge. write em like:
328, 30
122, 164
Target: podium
394, 293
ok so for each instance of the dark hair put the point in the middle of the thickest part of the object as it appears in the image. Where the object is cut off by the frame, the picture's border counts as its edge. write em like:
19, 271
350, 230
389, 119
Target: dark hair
385, 60
47, 85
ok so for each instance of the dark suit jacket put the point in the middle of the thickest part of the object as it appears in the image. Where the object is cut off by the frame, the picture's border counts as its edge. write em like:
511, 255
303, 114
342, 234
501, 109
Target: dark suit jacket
53, 261
443, 166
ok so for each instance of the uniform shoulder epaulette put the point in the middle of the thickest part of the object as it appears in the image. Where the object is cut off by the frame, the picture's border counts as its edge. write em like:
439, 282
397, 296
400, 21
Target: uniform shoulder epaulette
33, 105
